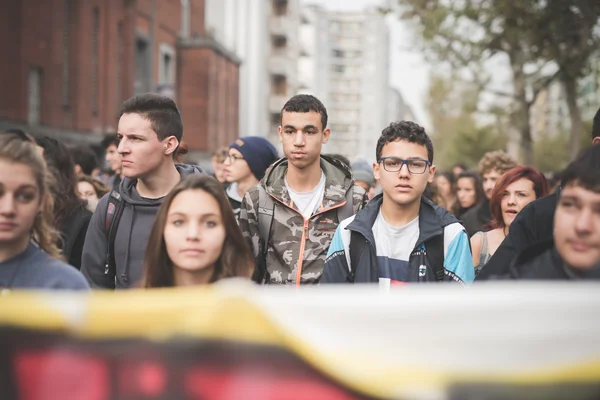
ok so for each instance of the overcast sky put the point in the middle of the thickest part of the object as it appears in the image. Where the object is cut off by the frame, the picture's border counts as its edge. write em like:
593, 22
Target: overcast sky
408, 71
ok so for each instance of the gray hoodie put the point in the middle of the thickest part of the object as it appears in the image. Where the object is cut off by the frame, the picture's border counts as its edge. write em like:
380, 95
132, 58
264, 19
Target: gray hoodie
131, 238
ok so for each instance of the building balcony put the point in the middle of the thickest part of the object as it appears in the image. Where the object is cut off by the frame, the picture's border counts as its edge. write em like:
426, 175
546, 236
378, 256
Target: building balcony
280, 25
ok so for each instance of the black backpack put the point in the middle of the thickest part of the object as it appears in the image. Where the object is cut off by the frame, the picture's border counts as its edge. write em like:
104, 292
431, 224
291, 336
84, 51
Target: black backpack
112, 218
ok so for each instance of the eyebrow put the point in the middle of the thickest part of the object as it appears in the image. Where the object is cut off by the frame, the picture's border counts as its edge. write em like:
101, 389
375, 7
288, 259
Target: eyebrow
178, 213
305, 128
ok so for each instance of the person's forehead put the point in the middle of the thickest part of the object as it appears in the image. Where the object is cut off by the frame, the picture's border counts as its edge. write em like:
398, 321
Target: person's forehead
404, 149
581, 193
493, 173
300, 119
134, 124
520, 184
235, 151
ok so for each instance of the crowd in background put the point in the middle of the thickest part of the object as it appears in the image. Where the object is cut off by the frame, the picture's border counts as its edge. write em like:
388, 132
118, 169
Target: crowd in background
143, 218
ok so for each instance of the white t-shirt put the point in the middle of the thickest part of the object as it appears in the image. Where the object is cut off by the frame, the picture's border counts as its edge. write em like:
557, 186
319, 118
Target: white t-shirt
394, 246
308, 202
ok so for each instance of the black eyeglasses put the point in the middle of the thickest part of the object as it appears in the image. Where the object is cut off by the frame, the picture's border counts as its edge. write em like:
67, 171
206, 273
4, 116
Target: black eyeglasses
233, 158
395, 164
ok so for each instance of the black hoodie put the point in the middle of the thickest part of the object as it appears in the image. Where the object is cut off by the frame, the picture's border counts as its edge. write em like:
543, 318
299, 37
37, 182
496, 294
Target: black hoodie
131, 239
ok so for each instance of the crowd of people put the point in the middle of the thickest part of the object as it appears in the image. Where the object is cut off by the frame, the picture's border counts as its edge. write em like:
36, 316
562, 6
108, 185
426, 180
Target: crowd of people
148, 220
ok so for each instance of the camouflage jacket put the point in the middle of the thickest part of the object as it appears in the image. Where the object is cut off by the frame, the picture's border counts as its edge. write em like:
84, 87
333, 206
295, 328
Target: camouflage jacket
297, 248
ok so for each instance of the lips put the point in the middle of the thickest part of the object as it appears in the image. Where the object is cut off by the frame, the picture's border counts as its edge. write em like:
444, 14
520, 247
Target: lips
514, 212
298, 154
403, 188
192, 251
579, 246
7, 226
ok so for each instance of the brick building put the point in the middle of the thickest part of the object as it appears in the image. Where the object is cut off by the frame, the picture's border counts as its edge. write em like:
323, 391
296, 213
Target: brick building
69, 64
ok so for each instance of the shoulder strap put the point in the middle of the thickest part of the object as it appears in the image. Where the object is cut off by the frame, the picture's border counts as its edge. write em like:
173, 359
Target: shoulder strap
266, 208
355, 249
347, 210
435, 253
113, 216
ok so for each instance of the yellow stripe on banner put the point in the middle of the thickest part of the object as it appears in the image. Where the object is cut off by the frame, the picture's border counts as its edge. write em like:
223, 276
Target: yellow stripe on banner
214, 313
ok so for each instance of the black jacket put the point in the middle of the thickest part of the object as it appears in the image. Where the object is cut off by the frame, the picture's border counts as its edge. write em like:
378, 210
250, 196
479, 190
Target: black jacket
533, 225
476, 219
542, 262
72, 235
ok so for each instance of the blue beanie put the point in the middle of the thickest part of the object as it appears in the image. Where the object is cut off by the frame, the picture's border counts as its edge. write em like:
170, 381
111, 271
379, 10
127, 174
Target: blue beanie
258, 152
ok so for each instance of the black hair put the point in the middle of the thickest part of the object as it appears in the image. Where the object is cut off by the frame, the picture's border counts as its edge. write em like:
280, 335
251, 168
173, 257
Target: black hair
407, 131
475, 177
85, 157
460, 165
109, 140
448, 175
303, 103
585, 170
596, 125
161, 111
63, 185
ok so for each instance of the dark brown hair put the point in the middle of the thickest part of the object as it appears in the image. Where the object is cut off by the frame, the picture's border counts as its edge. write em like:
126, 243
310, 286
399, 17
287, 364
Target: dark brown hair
236, 260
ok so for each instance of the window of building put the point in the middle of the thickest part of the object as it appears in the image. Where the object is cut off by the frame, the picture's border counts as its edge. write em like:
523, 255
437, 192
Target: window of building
279, 85
166, 64
279, 42
95, 55
337, 53
280, 7
34, 95
142, 66
337, 68
66, 55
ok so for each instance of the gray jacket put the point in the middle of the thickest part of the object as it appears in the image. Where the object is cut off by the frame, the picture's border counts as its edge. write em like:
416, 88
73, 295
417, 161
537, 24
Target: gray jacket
131, 238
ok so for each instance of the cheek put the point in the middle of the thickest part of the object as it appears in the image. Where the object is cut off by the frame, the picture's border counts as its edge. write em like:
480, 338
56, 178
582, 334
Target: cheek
214, 240
173, 237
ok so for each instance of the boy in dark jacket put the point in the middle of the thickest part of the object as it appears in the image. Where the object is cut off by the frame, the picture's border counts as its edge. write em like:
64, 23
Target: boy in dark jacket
396, 237
575, 252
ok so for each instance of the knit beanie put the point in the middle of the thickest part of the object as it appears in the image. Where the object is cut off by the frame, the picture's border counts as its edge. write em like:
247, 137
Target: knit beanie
362, 171
258, 152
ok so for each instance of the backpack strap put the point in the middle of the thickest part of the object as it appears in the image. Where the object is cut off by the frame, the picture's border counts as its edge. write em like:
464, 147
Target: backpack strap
435, 253
355, 248
266, 209
113, 216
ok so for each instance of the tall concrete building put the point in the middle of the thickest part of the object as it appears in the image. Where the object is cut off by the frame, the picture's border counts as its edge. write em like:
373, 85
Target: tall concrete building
345, 63
398, 110
269, 48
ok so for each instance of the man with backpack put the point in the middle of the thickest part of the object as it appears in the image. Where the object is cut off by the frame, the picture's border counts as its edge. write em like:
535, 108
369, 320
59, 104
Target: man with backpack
400, 236
149, 132
290, 217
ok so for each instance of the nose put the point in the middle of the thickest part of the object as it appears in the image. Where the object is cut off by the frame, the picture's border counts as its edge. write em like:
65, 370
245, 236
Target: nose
299, 138
404, 172
7, 205
122, 148
512, 199
584, 221
193, 231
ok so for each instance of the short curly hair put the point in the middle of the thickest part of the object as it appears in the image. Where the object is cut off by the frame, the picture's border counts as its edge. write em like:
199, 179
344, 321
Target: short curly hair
496, 160
407, 131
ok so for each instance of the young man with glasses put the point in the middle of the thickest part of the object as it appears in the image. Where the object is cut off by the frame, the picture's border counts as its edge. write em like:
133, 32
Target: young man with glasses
245, 165
400, 236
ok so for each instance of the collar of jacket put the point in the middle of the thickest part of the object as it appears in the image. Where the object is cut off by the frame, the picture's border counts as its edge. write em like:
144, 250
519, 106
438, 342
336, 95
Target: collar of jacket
432, 220
338, 180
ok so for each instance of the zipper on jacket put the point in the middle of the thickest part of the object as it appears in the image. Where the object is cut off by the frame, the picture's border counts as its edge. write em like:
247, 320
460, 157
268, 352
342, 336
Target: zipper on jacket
305, 233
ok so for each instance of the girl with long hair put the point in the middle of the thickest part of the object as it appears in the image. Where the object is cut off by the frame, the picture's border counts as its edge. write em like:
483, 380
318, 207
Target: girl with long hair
29, 257
513, 191
195, 239
469, 192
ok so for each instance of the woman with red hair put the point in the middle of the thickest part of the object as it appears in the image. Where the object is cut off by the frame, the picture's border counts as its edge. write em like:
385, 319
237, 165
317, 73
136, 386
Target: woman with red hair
514, 190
